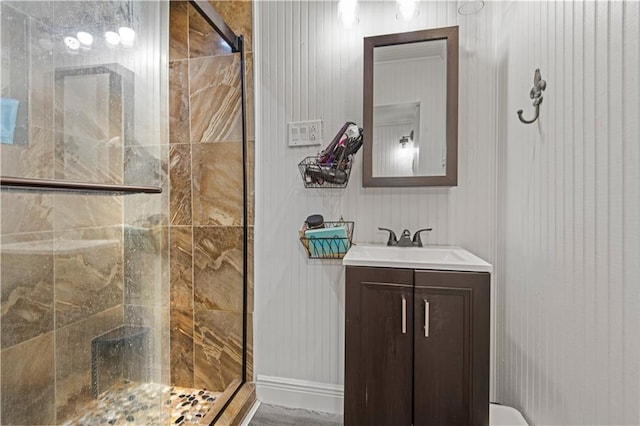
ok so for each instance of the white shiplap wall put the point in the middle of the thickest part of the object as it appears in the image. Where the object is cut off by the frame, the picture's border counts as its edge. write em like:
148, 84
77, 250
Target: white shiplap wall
307, 67
569, 209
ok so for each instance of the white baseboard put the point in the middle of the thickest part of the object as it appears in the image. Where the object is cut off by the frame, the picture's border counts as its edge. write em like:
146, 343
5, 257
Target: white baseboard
250, 414
303, 394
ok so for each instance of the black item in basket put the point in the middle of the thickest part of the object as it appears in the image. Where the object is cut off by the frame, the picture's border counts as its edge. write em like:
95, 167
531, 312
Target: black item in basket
317, 174
332, 166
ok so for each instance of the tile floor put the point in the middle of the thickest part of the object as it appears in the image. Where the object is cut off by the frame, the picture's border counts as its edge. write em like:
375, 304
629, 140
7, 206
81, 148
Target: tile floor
273, 415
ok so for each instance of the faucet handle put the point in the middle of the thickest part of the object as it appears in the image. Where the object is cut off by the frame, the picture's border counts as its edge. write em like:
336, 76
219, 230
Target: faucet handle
393, 240
417, 241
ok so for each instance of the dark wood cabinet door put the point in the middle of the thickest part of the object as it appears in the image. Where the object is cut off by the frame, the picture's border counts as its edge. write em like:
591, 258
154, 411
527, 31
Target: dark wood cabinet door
451, 339
379, 347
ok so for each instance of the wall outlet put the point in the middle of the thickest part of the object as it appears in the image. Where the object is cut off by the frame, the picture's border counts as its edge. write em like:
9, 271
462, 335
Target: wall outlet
305, 133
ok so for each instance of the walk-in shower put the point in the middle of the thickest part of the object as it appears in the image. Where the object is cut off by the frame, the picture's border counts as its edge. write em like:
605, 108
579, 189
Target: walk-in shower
91, 319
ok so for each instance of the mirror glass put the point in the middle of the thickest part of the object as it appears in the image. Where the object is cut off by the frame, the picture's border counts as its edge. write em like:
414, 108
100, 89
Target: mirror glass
411, 109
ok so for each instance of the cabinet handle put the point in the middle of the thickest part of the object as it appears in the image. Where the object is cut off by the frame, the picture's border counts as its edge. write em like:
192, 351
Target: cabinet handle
426, 318
404, 315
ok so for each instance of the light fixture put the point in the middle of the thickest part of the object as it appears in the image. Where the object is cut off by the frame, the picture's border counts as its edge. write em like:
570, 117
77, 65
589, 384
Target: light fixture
470, 7
72, 44
348, 12
127, 36
84, 38
407, 9
112, 38
404, 140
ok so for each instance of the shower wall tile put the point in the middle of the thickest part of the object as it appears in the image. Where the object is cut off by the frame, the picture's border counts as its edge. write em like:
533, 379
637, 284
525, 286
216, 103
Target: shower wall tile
146, 165
250, 95
181, 240
32, 160
146, 258
73, 360
41, 80
217, 348
30, 212
217, 260
157, 318
85, 159
14, 78
203, 39
178, 30
217, 184
249, 376
239, 16
182, 347
180, 184
251, 184
26, 273
179, 131
28, 382
206, 198
215, 99
77, 210
88, 274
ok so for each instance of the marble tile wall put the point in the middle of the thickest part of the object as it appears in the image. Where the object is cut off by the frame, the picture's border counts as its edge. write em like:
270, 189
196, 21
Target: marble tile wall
206, 200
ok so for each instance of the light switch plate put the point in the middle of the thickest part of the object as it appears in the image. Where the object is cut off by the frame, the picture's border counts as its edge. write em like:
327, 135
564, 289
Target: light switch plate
304, 133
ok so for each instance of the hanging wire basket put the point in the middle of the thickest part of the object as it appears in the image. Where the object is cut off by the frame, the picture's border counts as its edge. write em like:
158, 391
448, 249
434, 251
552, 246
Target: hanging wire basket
331, 168
318, 175
331, 242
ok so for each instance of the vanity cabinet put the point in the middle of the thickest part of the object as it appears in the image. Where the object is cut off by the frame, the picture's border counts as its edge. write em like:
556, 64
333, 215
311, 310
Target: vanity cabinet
417, 347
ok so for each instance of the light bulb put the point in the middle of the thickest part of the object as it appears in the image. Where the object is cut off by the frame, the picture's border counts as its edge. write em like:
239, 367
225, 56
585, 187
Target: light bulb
112, 38
127, 36
85, 38
72, 44
407, 9
348, 12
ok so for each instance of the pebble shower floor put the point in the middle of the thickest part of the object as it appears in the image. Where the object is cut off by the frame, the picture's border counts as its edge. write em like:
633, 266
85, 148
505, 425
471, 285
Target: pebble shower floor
130, 403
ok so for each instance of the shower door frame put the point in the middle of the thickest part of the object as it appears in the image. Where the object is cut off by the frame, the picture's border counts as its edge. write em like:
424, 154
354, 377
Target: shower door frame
236, 42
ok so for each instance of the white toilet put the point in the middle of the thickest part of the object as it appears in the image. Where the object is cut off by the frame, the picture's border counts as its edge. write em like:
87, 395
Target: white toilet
503, 415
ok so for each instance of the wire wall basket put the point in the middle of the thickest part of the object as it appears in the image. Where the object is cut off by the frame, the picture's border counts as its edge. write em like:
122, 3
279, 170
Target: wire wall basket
315, 174
331, 168
331, 242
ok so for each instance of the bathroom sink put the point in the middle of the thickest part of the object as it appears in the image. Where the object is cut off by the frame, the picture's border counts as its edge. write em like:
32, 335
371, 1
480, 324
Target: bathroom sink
448, 258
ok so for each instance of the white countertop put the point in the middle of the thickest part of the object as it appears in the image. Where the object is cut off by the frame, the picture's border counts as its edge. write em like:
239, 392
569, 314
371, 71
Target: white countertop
445, 258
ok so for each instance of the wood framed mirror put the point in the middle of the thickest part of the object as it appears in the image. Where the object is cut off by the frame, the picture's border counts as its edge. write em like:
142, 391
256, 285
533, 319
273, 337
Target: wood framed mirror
411, 109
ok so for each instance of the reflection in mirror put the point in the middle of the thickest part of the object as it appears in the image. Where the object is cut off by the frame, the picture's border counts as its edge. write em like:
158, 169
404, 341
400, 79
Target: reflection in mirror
410, 109
396, 139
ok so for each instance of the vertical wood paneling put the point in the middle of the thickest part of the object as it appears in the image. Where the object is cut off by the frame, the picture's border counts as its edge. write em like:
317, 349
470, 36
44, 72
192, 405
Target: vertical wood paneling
568, 297
308, 67
631, 202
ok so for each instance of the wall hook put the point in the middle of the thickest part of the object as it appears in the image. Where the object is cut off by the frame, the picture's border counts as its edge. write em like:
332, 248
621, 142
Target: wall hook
536, 94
